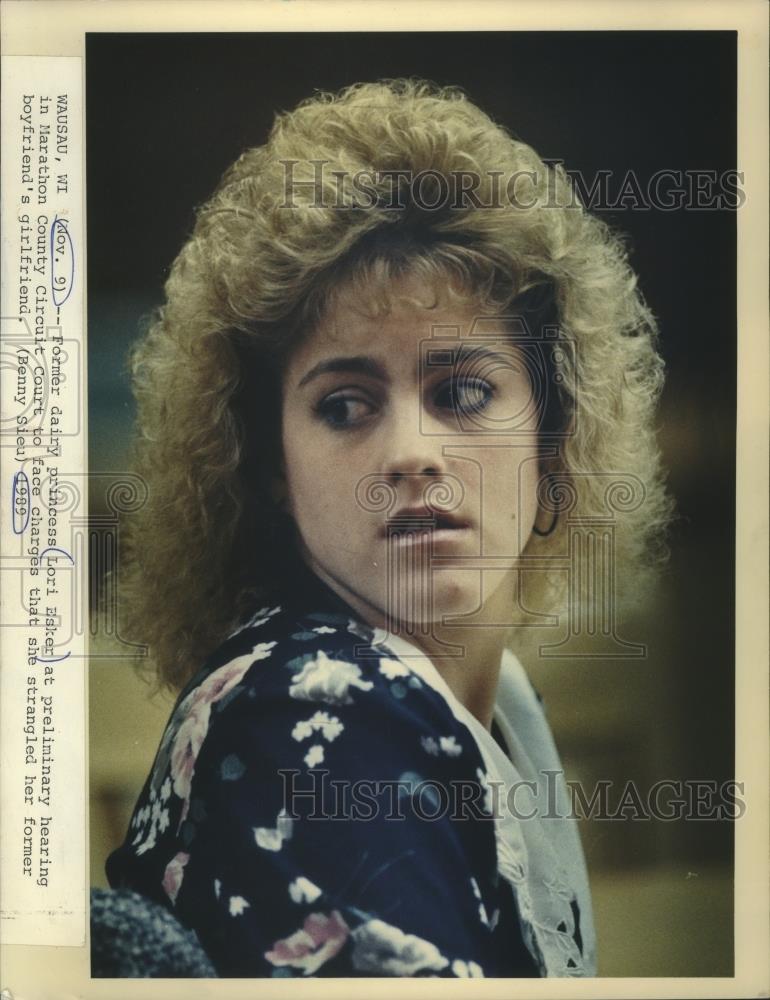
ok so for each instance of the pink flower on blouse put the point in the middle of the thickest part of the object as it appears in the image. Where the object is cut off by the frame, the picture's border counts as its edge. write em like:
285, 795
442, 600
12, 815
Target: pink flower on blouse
320, 938
172, 877
197, 713
187, 744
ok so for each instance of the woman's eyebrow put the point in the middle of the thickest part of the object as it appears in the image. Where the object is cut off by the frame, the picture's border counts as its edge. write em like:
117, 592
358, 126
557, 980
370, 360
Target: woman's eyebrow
363, 364
474, 352
359, 364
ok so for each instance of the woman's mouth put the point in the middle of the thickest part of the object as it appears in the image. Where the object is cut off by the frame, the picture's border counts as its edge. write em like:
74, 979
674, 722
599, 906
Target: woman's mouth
420, 526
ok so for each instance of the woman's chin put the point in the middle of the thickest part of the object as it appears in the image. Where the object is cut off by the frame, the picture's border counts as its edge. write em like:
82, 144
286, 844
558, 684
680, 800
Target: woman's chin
427, 602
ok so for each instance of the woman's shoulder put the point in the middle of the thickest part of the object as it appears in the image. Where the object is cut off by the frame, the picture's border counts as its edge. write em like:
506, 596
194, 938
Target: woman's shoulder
289, 694
311, 689
323, 656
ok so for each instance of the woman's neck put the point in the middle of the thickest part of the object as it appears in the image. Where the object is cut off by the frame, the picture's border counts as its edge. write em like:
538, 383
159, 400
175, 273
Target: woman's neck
468, 658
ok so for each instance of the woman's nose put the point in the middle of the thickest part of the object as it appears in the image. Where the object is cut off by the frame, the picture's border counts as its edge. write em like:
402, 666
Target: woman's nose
413, 447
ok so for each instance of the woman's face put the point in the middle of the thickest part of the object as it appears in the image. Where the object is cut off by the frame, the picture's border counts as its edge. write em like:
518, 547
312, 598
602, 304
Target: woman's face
409, 438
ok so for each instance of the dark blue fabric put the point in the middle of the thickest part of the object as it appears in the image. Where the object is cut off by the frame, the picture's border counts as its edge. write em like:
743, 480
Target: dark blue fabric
344, 886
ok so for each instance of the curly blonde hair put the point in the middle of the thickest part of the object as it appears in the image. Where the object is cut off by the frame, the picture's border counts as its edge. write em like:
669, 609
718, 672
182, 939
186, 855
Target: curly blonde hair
259, 271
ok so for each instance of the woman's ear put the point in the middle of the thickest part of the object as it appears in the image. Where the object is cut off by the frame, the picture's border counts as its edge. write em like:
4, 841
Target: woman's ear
545, 520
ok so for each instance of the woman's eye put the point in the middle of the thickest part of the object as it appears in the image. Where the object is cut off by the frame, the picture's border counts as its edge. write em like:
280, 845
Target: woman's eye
464, 395
342, 410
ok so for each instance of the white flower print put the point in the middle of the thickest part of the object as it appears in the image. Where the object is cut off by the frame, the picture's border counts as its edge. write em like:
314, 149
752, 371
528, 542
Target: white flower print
325, 630
163, 820
450, 746
258, 618
217, 887
445, 744
484, 782
329, 726
268, 838
263, 615
272, 838
302, 730
165, 789
315, 755
302, 890
149, 843
237, 905
261, 651
467, 970
393, 669
386, 950
324, 679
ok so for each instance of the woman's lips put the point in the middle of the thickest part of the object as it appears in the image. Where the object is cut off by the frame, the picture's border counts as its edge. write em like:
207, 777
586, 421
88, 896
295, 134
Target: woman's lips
433, 527
430, 536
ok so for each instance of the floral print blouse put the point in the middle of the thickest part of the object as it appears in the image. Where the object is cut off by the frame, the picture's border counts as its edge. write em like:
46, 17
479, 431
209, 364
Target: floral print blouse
316, 808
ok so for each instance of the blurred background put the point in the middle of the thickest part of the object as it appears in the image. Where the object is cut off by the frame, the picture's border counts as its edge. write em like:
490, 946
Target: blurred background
167, 113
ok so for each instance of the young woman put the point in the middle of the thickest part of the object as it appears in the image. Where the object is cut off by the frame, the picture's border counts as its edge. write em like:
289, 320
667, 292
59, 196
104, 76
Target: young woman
393, 344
